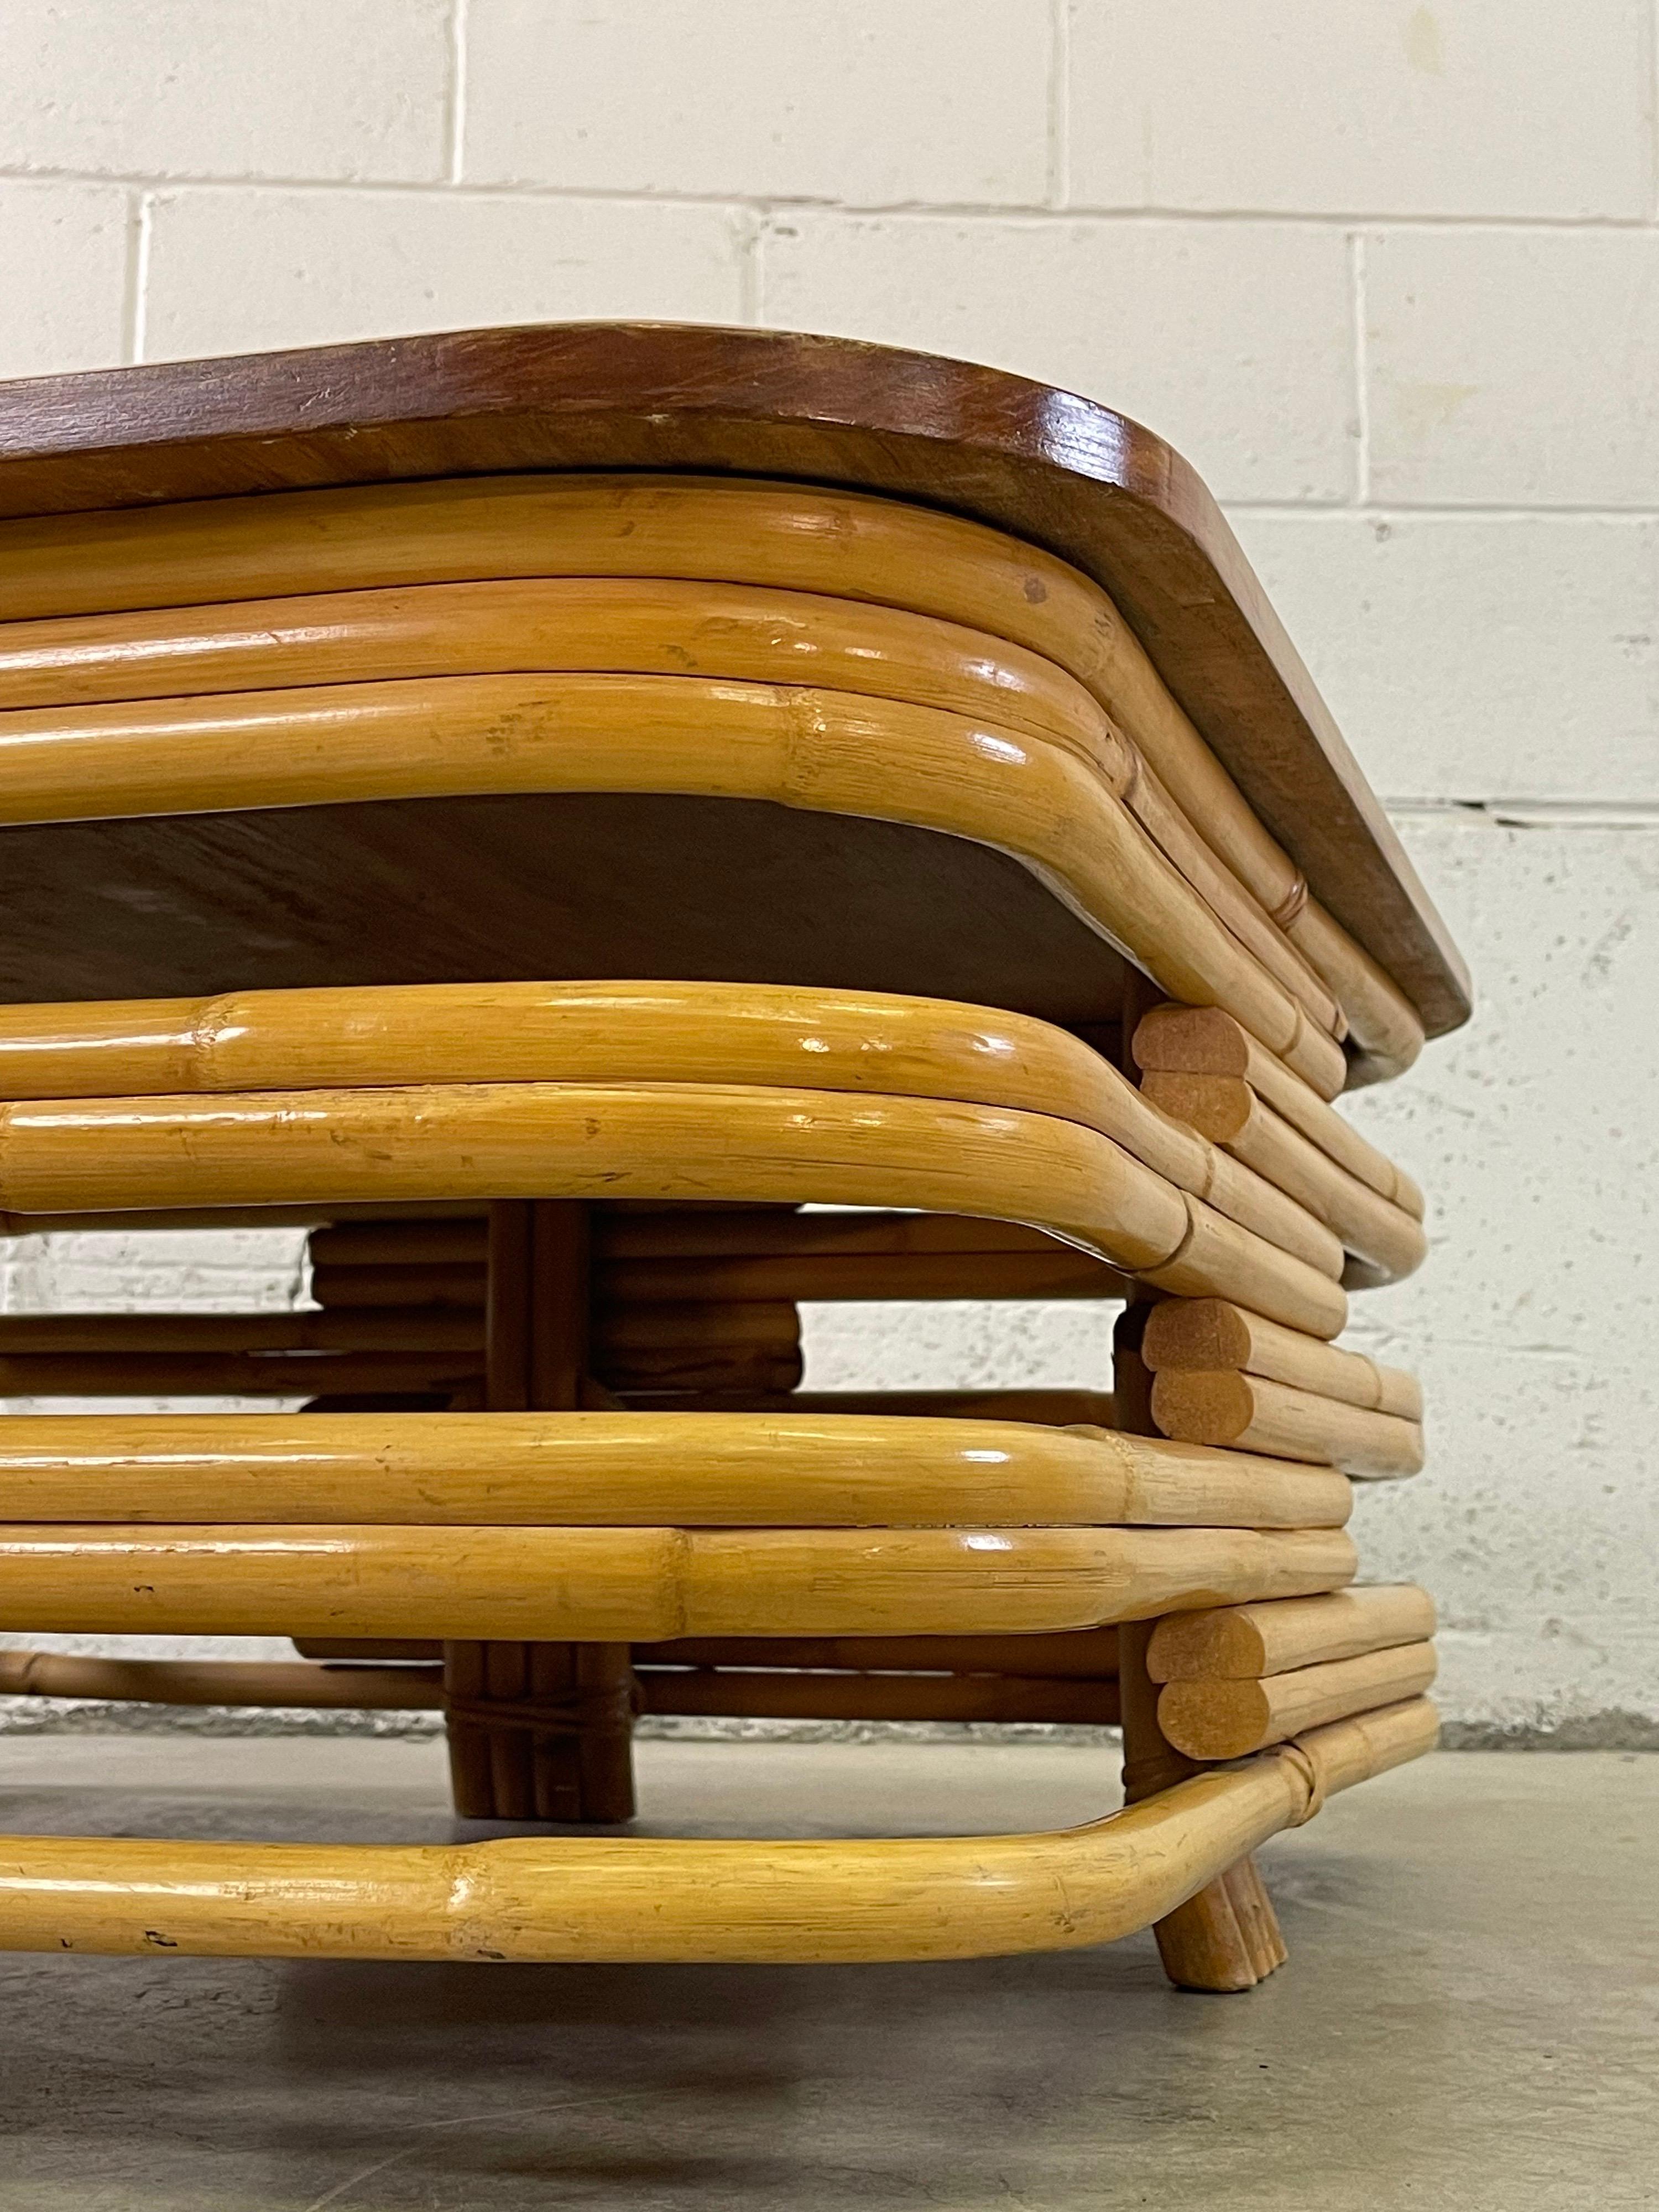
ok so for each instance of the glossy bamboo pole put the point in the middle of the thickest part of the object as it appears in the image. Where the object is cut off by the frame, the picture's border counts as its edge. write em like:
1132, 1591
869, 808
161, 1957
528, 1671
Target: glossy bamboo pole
169, 1220
649, 1898
1084, 1655
570, 1031
1204, 1040
359, 1329
765, 1693
548, 625
221, 1682
1050, 1408
1088, 1654
772, 1693
714, 1232
612, 1585
234, 1375
578, 1469
826, 751
1222, 1406
657, 626
1242, 1194
767, 1324
705, 1237
1211, 1718
401, 1651
409, 1243
1058, 1271
1182, 842
640, 1032
649, 1371
843, 544
601, 625
437, 1291
1226, 1110
1209, 1333
1246, 1640
1384, 1027
670, 1141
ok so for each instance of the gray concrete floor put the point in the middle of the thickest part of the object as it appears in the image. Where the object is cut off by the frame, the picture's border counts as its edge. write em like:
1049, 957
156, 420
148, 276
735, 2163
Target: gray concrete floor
1467, 2023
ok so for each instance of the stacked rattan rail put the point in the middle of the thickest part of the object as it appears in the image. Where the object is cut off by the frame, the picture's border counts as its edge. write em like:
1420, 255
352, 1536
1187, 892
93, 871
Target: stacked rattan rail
556, 1467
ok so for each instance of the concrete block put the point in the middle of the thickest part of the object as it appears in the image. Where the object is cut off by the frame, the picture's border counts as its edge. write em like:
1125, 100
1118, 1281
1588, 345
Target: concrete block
1513, 367
1532, 1130
327, 88
234, 270
1471, 108
172, 1271
62, 276
155, 1271
1016, 1344
935, 101
1234, 344
1535, 1523
1476, 657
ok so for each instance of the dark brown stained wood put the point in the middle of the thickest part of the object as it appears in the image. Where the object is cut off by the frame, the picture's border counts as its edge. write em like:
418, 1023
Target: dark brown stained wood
537, 888
1061, 472
578, 1765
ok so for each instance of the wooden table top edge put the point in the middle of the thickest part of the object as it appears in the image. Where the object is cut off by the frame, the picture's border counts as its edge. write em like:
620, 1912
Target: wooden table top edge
1047, 466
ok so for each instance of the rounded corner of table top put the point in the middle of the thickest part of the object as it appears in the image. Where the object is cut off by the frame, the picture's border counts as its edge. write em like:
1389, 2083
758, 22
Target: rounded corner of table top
1050, 466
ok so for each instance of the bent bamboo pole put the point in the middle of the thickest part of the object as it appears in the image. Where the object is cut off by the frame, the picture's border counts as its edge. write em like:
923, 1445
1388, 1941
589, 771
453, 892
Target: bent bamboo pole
221, 1682
1208, 1333
358, 1329
654, 1898
667, 1142
1205, 1041
233, 1375
844, 544
606, 625
1059, 1271
1245, 1640
767, 1325
406, 1288
769, 1692
770, 1368
409, 1243
824, 751
406, 1650
628, 1033
170, 1220
773, 1693
1228, 1111
1049, 1409
609, 625
614, 1585
650, 1372
541, 1470
1383, 1023
714, 1233
1085, 1655
548, 625
705, 1251
1222, 1406
1220, 1719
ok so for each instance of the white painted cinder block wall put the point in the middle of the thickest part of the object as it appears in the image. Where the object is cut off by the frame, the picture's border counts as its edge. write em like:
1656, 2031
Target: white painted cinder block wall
1388, 273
